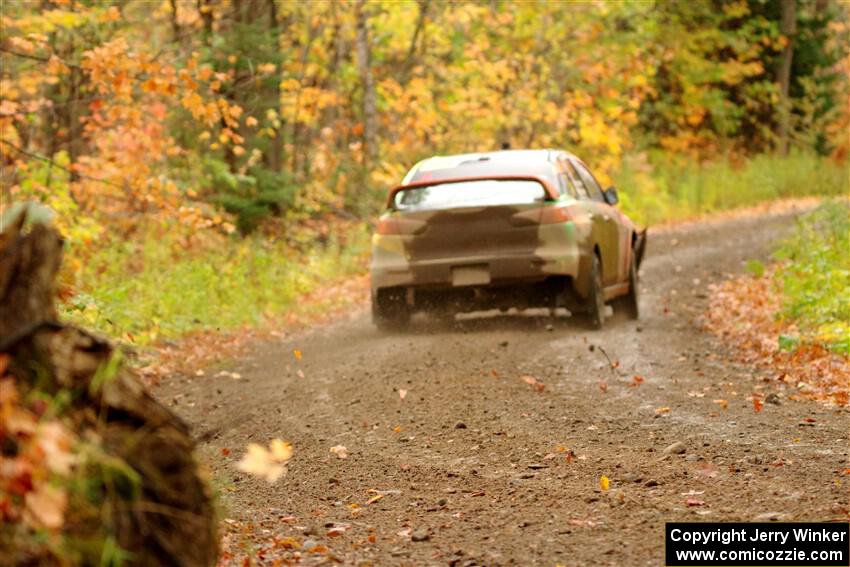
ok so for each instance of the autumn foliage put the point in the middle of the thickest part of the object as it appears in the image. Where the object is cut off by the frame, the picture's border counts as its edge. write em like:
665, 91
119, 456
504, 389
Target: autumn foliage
292, 110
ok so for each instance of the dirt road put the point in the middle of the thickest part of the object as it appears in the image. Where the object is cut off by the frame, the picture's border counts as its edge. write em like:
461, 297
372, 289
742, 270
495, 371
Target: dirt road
477, 467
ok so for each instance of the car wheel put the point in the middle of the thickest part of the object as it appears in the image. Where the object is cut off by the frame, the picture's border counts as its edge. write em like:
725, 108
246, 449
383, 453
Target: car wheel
390, 311
629, 302
595, 305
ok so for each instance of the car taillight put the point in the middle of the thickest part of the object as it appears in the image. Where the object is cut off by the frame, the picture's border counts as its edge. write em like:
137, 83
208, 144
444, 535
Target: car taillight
552, 215
400, 225
387, 226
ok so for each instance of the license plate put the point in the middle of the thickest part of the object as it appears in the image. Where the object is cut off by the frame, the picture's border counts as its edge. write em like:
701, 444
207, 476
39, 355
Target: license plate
470, 275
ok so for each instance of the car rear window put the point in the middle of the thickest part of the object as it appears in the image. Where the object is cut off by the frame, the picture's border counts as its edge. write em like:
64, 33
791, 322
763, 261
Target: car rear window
476, 168
479, 193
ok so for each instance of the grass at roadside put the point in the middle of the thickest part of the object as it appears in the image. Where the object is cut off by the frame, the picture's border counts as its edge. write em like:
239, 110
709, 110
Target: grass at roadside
667, 189
157, 289
815, 278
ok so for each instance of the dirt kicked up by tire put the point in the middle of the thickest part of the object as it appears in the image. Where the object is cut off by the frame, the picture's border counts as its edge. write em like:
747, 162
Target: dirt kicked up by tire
484, 443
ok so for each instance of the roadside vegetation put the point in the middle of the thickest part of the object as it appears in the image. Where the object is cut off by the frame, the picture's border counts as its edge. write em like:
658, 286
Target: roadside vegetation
792, 319
814, 276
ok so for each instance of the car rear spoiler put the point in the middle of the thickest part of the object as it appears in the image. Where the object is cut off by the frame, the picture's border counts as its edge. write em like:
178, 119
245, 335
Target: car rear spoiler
550, 191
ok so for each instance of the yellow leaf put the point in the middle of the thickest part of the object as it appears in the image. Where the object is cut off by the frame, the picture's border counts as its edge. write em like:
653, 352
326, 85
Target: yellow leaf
297, 354
281, 450
604, 483
265, 463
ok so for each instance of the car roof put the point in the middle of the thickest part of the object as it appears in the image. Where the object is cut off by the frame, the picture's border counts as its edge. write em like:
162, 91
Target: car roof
471, 164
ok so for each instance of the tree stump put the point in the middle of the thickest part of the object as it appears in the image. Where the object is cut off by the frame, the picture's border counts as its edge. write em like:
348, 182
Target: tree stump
165, 514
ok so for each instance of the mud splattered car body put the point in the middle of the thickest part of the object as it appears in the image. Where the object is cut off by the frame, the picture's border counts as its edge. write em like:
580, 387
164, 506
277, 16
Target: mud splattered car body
518, 228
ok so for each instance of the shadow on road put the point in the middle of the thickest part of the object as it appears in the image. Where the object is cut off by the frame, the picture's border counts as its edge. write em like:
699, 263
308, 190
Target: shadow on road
530, 320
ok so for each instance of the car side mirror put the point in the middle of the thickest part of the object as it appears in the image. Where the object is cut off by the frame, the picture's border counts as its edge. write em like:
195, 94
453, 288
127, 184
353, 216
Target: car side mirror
611, 196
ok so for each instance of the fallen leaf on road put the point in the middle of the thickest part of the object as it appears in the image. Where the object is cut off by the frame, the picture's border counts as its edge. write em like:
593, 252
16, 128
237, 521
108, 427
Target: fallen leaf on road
287, 543
300, 373
533, 382
757, 405
402, 393
722, 403
266, 463
297, 354
706, 469
225, 452
340, 451
662, 410
636, 381
581, 522
604, 482
397, 429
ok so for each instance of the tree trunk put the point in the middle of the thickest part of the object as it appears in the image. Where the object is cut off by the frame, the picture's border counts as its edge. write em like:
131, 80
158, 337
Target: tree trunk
409, 59
205, 9
367, 81
175, 26
788, 27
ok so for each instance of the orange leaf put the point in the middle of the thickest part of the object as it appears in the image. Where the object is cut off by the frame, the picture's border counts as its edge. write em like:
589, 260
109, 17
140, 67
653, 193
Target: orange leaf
757, 405
534, 383
636, 381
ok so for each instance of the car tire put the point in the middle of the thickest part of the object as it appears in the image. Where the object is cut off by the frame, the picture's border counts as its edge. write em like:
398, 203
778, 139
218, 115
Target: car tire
629, 302
390, 311
595, 303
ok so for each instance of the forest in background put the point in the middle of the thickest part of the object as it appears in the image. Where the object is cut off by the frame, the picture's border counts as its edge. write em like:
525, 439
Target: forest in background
209, 161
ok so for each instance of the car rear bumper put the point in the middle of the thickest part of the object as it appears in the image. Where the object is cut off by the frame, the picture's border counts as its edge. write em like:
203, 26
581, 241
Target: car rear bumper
473, 271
